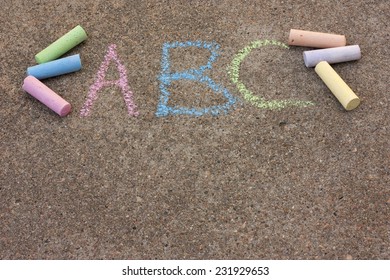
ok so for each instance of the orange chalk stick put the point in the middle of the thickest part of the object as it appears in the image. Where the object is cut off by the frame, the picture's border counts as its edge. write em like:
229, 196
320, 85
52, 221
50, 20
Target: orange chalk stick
315, 39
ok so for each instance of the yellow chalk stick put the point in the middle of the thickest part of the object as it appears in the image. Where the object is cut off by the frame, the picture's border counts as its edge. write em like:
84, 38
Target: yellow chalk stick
337, 86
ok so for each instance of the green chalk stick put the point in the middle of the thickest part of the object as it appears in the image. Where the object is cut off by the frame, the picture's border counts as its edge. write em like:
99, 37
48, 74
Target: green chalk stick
62, 45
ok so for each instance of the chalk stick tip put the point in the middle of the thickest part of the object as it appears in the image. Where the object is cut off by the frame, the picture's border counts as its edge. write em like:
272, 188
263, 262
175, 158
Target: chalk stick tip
305, 59
65, 110
352, 104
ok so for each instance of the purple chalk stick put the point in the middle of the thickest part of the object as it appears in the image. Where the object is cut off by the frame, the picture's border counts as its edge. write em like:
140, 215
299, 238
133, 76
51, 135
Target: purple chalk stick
332, 55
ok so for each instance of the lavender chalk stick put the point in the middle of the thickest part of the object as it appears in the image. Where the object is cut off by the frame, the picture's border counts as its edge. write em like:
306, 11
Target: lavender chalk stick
332, 55
56, 67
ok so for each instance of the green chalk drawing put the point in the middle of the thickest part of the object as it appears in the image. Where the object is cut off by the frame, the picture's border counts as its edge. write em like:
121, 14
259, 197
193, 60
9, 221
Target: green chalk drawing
234, 74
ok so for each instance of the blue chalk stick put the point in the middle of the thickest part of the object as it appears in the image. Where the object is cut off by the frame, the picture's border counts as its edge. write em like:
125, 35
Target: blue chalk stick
56, 67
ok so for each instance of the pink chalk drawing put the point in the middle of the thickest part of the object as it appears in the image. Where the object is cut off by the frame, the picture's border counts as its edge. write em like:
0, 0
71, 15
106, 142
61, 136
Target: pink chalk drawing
101, 82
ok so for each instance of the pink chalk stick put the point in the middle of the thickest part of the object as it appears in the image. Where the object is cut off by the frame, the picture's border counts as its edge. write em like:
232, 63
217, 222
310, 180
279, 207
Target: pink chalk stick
48, 97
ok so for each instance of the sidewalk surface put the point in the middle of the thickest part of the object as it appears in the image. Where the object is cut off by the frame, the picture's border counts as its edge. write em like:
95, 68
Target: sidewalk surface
245, 183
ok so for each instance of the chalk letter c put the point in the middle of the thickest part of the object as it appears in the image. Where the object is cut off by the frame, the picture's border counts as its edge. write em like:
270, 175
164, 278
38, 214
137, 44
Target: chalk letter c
234, 74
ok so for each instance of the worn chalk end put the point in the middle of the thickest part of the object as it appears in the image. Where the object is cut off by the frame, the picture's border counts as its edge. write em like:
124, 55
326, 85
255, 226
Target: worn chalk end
82, 32
306, 60
65, 110
352, 104
39, 59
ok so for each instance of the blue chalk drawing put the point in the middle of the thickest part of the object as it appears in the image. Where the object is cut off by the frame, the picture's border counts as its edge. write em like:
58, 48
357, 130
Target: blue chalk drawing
195, 74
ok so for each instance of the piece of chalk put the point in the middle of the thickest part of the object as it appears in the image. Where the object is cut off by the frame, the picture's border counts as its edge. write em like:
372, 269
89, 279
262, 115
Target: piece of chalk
315, 39
62, 45
332, 55
56, 67
337, 86
48, 97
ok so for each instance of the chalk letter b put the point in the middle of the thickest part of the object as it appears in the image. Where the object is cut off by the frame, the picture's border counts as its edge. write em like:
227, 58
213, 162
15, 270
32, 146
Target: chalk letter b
166, 77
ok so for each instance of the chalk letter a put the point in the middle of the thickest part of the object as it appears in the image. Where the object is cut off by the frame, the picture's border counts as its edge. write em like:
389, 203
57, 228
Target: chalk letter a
101, 82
